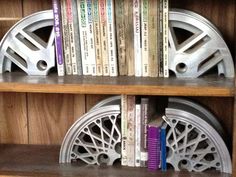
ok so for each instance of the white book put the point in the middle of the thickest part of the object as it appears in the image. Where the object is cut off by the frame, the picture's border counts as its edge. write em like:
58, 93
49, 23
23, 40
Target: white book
124, 129
97, 37
91, 45
72, 38
137, 135
83, 24
144, 31
112, 55
103, 27
165, 37
66, 38
137, 39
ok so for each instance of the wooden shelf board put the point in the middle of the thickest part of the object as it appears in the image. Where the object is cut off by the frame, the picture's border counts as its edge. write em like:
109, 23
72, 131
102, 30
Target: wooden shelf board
211, 86
38, 160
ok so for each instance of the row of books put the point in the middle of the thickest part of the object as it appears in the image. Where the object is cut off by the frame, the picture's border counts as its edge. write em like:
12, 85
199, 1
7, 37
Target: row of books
111, 38
143, 132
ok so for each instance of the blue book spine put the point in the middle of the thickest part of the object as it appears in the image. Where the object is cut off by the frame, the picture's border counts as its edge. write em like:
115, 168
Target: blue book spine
163, 148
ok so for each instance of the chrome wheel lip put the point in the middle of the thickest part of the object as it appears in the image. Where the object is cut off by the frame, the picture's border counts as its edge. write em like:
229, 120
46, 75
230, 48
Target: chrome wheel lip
207, 129
74, 131
114, 100
200, 111
31, 23
215, 45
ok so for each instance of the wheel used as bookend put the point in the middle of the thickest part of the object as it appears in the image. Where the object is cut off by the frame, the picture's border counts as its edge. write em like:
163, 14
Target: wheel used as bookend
193, 144
94, 138
29, 44
196, 47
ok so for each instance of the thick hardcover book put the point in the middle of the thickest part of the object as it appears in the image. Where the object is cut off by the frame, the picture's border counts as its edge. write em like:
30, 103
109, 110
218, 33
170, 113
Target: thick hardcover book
143, 132
103, 26
131, 131
58, 38
144, 24
153, 37
129, 36
153, 147
111, 39
163, 147
120, 36
165, 37
137, 134
66, 38
137, 38
124, 130
97, 37
83, 25
91, 46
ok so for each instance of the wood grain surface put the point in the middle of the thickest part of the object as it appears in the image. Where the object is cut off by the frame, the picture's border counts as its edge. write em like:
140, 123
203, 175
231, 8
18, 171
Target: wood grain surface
30, 6
209, 86
13, 118
51, 115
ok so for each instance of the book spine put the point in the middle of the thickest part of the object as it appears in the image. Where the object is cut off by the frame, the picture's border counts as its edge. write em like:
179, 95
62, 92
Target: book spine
124, 130
103, 26
97, 37
143, 132
153, 147
165, 37
82, 12
58, 38
76, 37
91, 46
160, 39
153, 44
72, 37
144, 21
129, 36
163, 148
66, 38
112, 56
131, 131
137, 134
120, 33
137, 38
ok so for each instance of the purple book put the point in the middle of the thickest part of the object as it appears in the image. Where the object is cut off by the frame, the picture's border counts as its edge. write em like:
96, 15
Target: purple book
153, 147
58, 37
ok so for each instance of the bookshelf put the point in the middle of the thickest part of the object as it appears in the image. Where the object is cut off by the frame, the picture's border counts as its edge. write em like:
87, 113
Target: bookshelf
37, 111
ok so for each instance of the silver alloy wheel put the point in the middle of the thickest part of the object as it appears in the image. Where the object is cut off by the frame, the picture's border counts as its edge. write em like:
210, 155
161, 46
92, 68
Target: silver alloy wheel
193, 144
114, 100
94, 138
198, 110
202, 51
23, 46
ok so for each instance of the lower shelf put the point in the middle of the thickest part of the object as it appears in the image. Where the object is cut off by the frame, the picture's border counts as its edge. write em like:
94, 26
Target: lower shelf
37, 160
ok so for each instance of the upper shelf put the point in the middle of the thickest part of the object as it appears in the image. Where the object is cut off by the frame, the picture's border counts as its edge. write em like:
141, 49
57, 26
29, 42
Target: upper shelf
210, 86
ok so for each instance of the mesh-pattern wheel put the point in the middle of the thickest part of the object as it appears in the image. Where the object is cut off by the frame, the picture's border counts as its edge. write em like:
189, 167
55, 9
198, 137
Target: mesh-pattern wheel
94, 138
193, 144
